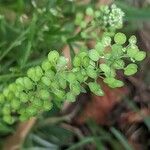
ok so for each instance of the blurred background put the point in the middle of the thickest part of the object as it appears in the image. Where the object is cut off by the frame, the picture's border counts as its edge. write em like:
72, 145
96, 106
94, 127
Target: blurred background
120, 120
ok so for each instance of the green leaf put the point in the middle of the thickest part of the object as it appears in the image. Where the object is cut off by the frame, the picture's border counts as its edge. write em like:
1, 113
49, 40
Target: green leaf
94, 55
130, 69
139, 56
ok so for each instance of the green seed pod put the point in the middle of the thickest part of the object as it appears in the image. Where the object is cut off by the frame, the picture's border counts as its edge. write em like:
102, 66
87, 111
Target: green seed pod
23, 97
75, 88
19, 81
130, 69
89, 11
44, 94
62, 82
113, 83
46, 65
55, 85
61, 63
131, 52
120, 38
91, 73
15, 104
2, 98
106, 40
99, 47
133, 40
31, 74
38, 72
86, 62
77, 61
117, 51
28, 84
38, 103
53, 56
12, 87
31, 111
96, 89
80, 77
47, 105
71, 77
46, 81
6, 92
35, 73
70, 97
79, 18
23, 117
6, 109
60, 94
94, 55
83, 24
139, 56
50, 74
119, 64
8, 119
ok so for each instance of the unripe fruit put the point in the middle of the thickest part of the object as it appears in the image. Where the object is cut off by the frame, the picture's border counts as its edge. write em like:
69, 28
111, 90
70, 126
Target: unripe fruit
46, 65
120, 38
44, 94
53, 56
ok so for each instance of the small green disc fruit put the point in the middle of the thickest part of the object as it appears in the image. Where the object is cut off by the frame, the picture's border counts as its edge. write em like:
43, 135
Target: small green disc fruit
120, 38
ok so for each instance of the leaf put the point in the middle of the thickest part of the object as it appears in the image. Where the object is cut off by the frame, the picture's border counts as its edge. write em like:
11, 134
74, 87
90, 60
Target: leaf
130, 69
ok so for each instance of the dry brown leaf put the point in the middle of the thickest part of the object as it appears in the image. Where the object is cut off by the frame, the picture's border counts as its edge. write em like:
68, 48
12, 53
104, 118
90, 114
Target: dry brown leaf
15, 141
99, 108
134, 117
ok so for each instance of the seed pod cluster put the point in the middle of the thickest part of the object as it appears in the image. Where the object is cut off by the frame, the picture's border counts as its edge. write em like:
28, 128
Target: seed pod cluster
53, 82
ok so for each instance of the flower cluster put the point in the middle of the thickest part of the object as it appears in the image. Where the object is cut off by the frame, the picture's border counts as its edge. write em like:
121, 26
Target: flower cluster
108, 18
54, 82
